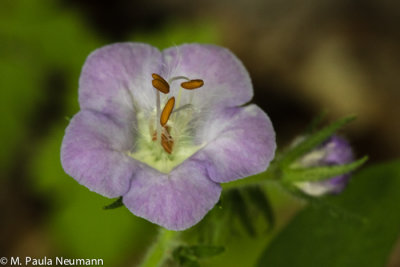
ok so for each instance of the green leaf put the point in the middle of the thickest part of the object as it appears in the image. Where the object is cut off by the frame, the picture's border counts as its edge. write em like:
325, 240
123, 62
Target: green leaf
215, 228
185, 262
314, 140
321, 173
316, 121
258, 198
189, 255
241, 211
205, 251
180, 32
116, 204
316, 238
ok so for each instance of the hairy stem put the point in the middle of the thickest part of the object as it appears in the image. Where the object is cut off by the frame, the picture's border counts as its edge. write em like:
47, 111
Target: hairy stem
272, 173
161, 249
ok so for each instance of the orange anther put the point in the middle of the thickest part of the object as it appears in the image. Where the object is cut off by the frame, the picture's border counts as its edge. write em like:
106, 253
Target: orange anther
192, 84
160, 84
167, 142
157, 77
167, 111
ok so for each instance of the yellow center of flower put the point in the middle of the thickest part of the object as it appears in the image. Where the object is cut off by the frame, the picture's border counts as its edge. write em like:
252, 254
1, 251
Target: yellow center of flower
170, 139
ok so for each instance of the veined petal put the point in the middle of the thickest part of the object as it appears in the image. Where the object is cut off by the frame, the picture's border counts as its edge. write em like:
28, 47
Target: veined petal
213, 140
117, 78
226, 81
92, 152
240, 142
177, 200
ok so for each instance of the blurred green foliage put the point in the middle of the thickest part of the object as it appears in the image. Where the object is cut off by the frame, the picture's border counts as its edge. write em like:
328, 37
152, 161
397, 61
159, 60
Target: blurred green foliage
323, 237
40, 39
77, 223
37, 39
176, 33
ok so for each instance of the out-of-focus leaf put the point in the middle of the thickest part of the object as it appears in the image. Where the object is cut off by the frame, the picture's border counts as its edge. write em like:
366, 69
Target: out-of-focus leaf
320, 173
315, 238
203, 251
258, 198
313, 140
19, 95
76, 222
199, 251
315, 123
241, 210
174, 34
37, 37
116, 204
190, 255
233, 236
216, 227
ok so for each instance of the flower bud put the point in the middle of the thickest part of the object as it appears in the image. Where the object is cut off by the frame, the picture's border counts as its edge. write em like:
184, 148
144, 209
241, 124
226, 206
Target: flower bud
334, 151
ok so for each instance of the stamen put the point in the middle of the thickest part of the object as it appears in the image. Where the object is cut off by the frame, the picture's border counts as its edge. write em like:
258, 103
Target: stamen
158, 109
178, 78
166, 140
178, 102
160, 84
167, 111
167, 144
157, 77
192, 84
180, 88
183, 107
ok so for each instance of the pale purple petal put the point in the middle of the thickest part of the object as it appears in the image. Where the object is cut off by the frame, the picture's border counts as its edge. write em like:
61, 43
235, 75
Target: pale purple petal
177, 200
115, 85
338, 151
334, 151
92, 152
117, 78
338, 183
226, 81
240, 143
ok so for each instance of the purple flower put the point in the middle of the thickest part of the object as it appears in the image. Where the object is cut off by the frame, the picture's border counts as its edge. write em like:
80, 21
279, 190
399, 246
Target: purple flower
163, 129
335, 151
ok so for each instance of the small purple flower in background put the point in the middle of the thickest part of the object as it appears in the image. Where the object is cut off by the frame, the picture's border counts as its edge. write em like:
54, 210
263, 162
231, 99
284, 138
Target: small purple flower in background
163, 129
335, 151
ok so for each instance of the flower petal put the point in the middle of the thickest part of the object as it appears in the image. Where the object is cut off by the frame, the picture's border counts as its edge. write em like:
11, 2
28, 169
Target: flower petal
338, 183
240, 142
332, 186
92, 153
338, 151
177, 200
117, 77
226, 81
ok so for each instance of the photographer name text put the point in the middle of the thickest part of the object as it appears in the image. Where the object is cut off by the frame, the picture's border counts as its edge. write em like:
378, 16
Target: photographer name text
57, 261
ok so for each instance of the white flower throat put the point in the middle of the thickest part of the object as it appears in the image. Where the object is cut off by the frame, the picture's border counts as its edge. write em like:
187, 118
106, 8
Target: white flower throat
165, 139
